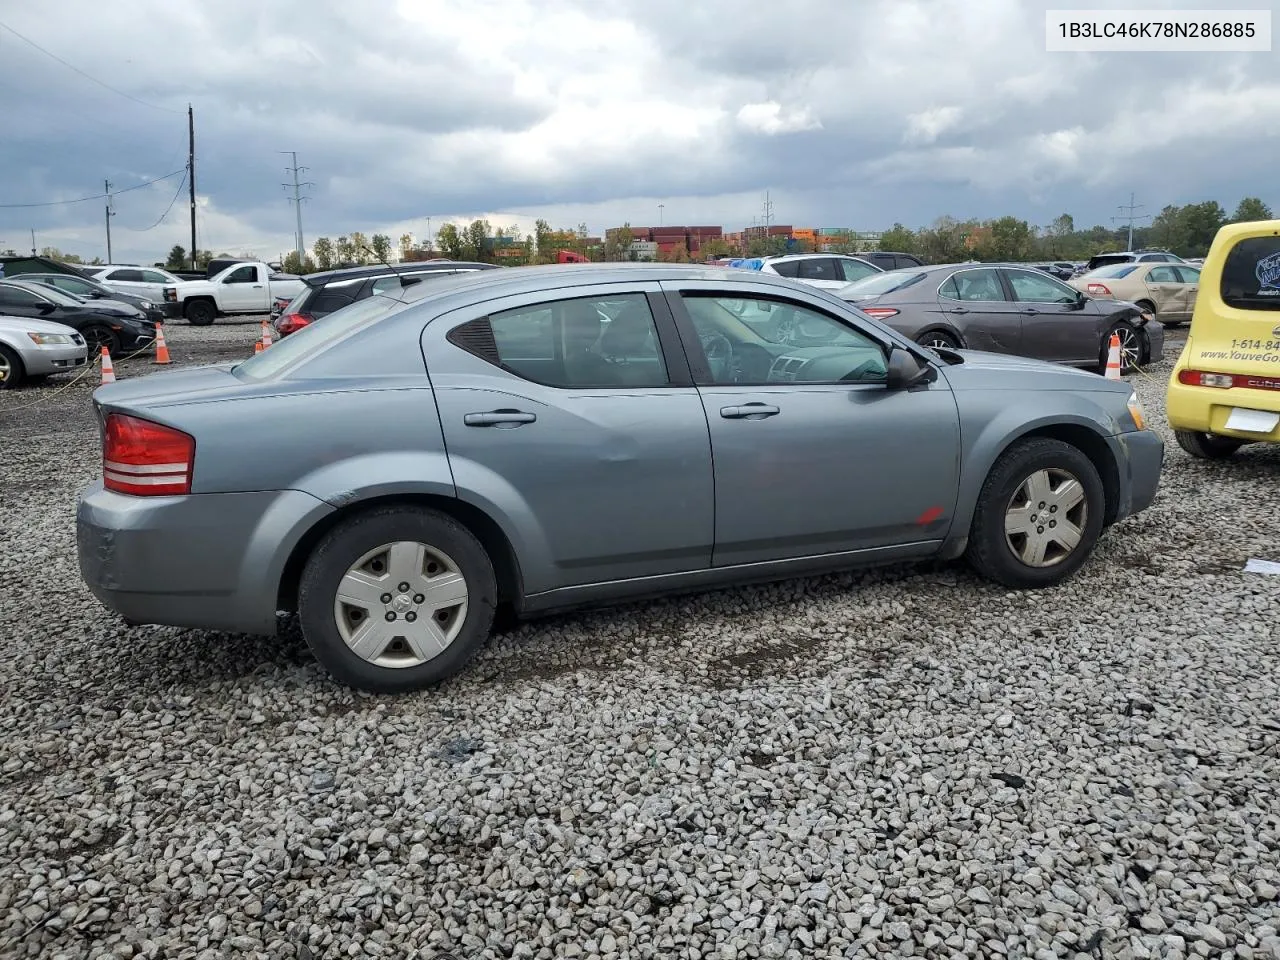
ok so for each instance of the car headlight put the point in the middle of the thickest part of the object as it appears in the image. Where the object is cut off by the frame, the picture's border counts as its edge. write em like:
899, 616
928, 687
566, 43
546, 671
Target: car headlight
1136, 411
147, 304
50, 339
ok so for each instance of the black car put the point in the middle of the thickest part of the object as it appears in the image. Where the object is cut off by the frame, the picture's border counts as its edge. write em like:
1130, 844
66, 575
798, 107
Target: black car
335, 289
116, 326
1006, 308
86, 289
888, 260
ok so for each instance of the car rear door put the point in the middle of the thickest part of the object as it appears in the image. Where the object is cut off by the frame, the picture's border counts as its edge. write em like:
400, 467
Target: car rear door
585, 439
810, 464
1190, 277
1167, 291
976, 303
153, 284
822, 272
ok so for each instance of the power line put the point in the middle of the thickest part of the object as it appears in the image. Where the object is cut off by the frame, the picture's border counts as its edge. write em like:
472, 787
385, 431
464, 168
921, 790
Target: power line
70, 66
297, 199
96, 196
1129, 218
181, 184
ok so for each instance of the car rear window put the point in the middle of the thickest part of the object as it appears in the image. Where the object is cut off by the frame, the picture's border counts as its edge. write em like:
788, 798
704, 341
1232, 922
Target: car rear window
1251, 274
1113, 271
314, 337
881, 283
1104, 259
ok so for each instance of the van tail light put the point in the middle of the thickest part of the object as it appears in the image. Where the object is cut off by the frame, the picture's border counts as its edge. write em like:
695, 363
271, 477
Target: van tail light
880, 313
293, 322
146, 459
1224, 381
1098, 290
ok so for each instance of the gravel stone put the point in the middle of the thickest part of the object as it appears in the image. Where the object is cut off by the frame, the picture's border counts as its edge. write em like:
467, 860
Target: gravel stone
896, 762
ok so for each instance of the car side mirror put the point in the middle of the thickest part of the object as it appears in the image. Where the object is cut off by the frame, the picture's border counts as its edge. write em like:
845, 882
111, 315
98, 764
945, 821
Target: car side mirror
48, 307
1081, 299
906, 370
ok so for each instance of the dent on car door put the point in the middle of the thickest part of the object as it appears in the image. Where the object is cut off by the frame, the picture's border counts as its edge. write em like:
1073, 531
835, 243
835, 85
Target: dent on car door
813, 454
583, 437
975, 303
1190, 277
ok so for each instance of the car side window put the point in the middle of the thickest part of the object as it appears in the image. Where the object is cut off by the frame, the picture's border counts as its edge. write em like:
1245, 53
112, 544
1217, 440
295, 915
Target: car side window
16, 297
757, 342
126, 276
1162, 275
152, 276
1188, 274
818, 268
973, 285
852, 270
247, 274
787, 268
576, 343
1031, 287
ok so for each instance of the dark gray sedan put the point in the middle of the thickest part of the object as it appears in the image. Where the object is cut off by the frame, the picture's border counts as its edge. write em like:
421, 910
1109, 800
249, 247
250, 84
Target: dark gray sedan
545, 437
1007, 308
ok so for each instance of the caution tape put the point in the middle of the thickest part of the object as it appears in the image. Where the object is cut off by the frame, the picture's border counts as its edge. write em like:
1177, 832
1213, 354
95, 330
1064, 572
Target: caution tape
93, 365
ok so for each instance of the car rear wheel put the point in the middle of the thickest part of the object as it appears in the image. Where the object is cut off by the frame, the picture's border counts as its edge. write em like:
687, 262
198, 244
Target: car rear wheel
200, 313
938, 339
1039, 515
1131, 348
99, 336
1207, 446
11, 370
397, 599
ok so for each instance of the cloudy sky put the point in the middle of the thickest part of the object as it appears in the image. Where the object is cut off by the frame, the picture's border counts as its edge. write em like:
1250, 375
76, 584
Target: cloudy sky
848, 112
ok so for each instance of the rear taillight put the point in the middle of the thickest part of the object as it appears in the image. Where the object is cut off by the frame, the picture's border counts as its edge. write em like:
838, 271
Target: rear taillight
880, 313
293, 322
1224, 381
146, 459
1098, 290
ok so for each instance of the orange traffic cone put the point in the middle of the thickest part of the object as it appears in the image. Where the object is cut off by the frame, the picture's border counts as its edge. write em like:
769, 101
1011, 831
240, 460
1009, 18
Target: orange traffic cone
257, 348
108, 368
162, 348
1113, 358
266, 334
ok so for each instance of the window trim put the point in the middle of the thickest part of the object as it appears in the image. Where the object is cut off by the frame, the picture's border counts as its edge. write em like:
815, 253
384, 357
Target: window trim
670, 347
1007, 274
1004, 287
701, 369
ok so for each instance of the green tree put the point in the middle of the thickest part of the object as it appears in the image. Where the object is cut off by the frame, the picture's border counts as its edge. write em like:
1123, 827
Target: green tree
898, 239
477, 241
203, 257
406, 245
53, 253
293, 264
1006, 239
324, 253
381, 244
346, 254
1058, 236
713, 248
945, 241
1199, 223
677, 254
1249, 209
177, 259
450, 241
359, 248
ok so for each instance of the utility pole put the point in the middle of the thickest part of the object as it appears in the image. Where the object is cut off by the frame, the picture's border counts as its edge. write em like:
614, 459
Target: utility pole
660, 206
768, 212
33, 241
297, 202
110, 214
191, 178
1130, 217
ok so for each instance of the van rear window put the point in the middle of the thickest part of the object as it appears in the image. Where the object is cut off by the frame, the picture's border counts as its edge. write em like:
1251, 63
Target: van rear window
1251, 274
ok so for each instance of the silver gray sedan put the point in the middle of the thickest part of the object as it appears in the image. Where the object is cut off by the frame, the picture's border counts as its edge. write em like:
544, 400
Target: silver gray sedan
31, 350
541, 438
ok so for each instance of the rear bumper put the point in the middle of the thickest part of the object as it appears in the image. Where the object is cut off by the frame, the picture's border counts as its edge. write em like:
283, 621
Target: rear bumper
1140, 455
209, 561
1206, 409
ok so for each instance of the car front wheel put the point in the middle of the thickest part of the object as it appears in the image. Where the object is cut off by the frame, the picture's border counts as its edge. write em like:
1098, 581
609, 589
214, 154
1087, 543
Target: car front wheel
1132, 352
397, 599
10, 369
1038, 516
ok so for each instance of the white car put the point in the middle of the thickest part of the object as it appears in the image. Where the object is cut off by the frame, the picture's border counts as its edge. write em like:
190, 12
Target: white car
146, 282
32, 349
827, 270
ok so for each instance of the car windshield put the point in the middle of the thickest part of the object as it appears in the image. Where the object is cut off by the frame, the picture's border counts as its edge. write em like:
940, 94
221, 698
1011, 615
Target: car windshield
880, 283
314, 337
1113, 271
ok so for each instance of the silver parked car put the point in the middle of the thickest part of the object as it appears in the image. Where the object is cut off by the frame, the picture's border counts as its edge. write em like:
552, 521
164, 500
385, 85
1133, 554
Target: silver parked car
31, 350
547, 437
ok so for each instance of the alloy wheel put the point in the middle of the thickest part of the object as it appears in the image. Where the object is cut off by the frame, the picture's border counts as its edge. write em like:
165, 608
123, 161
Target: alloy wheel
1045, 519
1130, 348
401, 604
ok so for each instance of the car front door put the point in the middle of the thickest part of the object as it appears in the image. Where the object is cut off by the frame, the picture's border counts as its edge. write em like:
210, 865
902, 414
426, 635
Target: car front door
243, 290
586, 438
17, 302
1056, 324
975, 302
813, 453
154, 283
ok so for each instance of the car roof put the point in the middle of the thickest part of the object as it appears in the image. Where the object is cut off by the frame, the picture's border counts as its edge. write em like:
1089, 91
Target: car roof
379, 269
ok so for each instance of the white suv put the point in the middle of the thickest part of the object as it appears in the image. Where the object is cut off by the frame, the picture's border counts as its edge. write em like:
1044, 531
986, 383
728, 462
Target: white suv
149, 282
827, 270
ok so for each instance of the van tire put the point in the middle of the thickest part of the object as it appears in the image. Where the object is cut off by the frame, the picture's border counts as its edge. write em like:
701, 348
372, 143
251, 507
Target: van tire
1207, 446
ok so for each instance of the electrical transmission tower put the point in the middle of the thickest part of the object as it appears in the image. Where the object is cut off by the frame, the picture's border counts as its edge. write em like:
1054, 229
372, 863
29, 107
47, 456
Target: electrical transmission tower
296, 200
1129, 217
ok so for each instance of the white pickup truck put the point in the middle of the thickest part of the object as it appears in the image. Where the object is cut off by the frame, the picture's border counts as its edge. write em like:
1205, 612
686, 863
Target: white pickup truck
241, 288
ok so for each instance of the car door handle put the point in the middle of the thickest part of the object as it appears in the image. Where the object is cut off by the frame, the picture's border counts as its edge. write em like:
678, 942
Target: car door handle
749, 411
1030, 310
1193, 289
499, 418
959, 309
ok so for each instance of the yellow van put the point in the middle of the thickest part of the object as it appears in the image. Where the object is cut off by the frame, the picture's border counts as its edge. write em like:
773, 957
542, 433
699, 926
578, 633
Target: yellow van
1225, 387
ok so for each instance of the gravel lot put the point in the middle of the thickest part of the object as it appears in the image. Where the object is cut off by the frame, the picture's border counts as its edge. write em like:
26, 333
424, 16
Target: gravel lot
902, 762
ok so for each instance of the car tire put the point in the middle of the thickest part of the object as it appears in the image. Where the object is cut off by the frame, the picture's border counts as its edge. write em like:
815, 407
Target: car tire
1008, 557
12, 372
1207, 446
200, 313
1133, 352
938, 338
99, 335
355, 558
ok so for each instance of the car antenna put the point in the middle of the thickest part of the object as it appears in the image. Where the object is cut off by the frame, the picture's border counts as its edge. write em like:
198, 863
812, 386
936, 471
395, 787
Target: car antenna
405, 280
